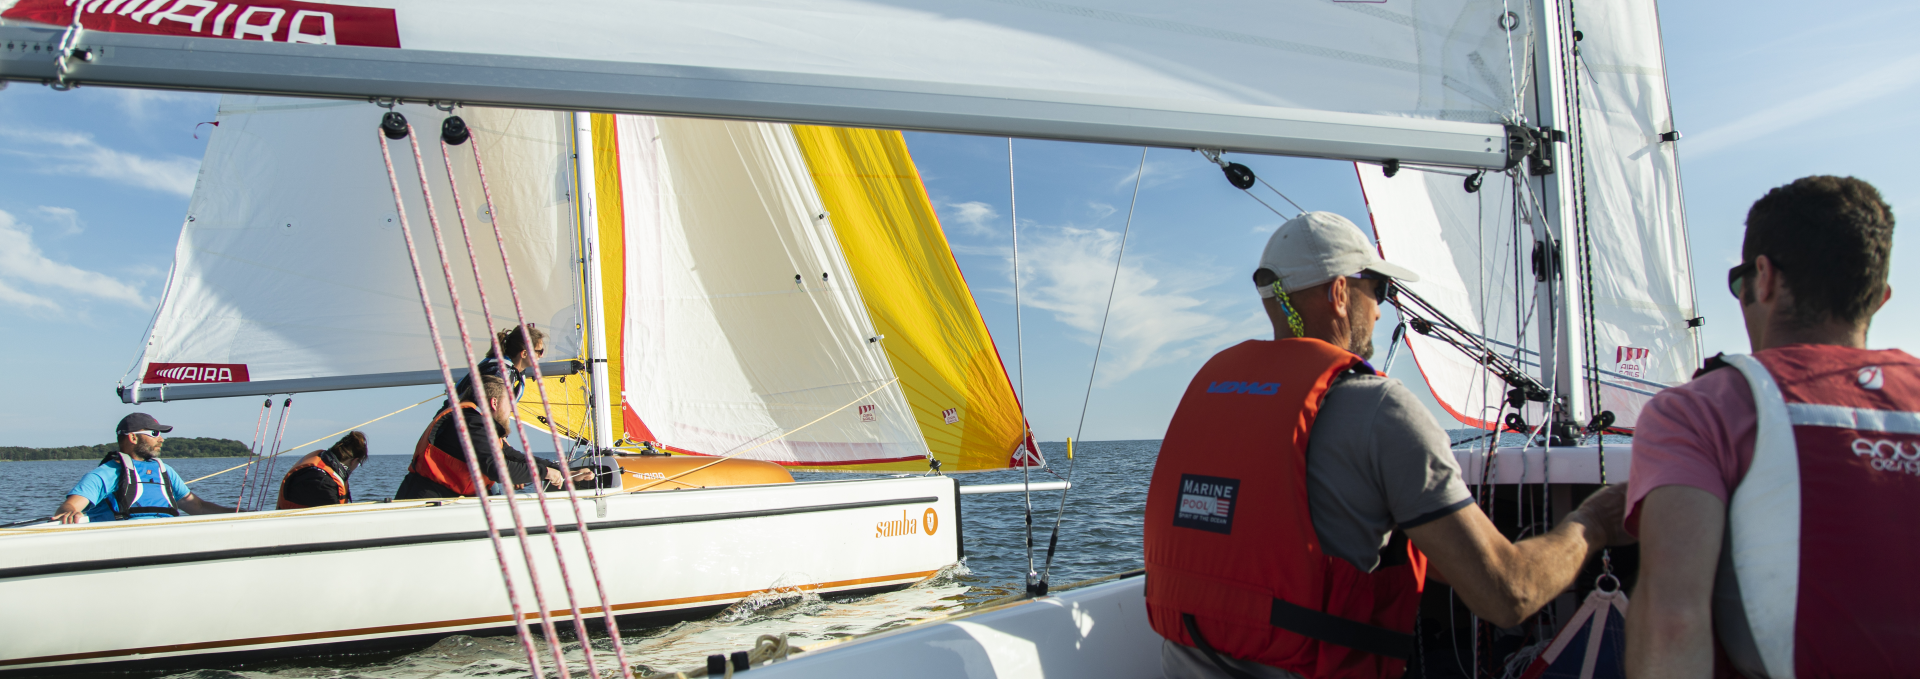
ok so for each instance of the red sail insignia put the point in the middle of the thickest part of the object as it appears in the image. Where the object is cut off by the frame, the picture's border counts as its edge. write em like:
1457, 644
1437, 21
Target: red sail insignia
264, 20
194, 373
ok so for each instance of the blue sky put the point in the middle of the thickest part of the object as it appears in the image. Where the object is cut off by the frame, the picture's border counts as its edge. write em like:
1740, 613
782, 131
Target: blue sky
96, 183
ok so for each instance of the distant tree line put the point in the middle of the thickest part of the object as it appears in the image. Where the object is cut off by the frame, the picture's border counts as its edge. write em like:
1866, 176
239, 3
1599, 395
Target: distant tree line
175, 447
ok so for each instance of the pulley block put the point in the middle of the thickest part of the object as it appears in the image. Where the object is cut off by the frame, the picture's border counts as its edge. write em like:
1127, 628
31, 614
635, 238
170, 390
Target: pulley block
1240, 176
454, 131
394, 125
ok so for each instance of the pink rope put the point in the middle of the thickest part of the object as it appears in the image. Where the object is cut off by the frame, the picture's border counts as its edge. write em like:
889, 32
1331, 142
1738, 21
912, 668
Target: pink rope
460, 423
259, 430
533, 469
573, 497
486, 413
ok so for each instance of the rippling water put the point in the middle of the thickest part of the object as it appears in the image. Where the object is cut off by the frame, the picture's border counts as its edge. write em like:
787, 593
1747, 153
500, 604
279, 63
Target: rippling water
1100, 534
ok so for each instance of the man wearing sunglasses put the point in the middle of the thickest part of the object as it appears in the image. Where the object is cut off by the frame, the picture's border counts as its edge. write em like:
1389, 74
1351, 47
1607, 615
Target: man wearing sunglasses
1774, 501
132, 482
1293, 477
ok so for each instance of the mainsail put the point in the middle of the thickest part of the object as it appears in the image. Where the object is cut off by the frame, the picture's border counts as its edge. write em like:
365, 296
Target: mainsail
289, 275
1477, 251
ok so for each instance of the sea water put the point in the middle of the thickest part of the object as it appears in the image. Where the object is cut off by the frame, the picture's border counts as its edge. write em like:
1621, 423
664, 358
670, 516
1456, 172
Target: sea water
1100, 534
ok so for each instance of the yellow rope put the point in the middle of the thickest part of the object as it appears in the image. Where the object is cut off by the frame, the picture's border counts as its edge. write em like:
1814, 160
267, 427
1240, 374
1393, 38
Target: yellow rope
323, 438
790, 432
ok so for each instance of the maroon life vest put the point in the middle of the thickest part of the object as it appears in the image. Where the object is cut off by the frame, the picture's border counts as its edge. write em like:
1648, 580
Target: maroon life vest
1230, 546
1813, 581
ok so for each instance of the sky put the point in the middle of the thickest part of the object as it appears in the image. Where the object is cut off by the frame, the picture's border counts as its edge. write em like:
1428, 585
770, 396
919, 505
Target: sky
94, 185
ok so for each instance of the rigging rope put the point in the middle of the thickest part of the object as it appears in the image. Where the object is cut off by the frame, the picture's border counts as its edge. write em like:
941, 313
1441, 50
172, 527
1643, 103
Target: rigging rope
318, 440
540, 384
253, 453
1053, 539
533, 468
460, 423
273, 460
1020, 352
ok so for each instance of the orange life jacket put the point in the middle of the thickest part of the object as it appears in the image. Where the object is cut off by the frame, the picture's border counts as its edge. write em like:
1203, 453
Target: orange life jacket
311, 460
1230, 546
446, 468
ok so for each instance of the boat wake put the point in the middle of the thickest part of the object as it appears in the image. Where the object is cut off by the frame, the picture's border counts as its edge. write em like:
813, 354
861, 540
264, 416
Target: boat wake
784, 610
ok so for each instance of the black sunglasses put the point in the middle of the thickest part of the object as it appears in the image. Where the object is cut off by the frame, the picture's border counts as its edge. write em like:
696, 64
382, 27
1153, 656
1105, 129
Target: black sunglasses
1737, 278
1382, 284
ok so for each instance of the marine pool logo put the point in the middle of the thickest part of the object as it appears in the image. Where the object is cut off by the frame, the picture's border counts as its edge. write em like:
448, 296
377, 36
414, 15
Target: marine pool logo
195, 373
1206, 503
1255, 388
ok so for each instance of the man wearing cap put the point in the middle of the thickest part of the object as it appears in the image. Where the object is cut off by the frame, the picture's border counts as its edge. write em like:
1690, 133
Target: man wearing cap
133, 483
1293, 477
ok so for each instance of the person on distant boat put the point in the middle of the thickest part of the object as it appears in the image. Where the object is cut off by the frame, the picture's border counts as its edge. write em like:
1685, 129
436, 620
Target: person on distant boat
133, 482
1775, 501
439, 468
320, 477
512, 343
1293, 477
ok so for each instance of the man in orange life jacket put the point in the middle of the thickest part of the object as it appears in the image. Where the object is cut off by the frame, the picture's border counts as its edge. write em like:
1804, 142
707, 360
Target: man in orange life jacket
439, 467
1292, 477
1774, 494
320, 477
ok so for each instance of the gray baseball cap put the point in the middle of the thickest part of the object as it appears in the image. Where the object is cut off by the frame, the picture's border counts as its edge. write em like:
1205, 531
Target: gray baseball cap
1317, 247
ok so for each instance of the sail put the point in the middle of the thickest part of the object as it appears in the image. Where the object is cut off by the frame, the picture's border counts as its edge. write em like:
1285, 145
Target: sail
290, 274
1643, 297
743, 333
1474, 250
1330, 79
934, 336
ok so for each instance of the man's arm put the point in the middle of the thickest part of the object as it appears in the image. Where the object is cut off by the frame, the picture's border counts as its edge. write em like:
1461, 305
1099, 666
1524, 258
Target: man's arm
1670, 624
1505, 582
72, 510
192, 504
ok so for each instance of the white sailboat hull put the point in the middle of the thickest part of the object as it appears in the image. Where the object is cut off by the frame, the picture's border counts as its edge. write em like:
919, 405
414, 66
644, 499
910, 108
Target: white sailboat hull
163, 592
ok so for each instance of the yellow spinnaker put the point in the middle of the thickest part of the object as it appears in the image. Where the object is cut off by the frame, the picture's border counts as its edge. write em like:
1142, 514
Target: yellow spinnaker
935, 338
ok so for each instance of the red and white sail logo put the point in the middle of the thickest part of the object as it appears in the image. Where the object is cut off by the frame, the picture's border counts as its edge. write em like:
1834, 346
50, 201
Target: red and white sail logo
1631, 361
263, 20
194, 373
866, 413
951, 415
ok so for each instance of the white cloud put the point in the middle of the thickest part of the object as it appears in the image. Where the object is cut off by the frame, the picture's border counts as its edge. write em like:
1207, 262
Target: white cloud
974, 217
68, 218
1101, 210
138, 103
22, 262
1157, 317
1155, 173
76, 153
1851, 94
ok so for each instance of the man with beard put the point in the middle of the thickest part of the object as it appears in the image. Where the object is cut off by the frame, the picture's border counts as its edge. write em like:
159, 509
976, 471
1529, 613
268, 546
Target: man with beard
1293, 477
439, 467
132, 482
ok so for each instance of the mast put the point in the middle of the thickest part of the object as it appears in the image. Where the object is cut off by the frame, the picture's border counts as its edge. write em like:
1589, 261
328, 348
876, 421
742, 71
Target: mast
594, 315
1552, 172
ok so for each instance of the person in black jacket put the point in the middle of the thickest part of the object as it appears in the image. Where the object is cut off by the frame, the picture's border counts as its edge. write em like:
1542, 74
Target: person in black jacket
320, 477
525, 348
439, 468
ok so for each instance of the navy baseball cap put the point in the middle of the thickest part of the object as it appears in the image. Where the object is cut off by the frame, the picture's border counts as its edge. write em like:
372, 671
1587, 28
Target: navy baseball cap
139, 422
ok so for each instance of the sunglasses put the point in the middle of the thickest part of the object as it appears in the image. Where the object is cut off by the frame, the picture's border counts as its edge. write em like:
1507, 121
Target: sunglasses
1383, 289
1737, 278
147, 432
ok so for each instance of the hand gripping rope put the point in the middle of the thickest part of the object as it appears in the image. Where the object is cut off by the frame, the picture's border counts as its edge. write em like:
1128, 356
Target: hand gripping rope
391, 124
454, 133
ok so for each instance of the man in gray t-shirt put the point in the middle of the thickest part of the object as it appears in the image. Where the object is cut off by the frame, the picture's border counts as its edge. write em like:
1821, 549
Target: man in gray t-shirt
1377, 462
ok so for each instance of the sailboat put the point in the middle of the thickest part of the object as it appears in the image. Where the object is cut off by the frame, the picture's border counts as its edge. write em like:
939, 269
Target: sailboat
723, 284
1561, 124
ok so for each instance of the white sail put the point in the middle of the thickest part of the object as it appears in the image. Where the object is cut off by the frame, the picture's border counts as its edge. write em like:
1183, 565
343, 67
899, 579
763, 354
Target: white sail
1333, 79
1643, 296
1474, 250
744, 332
290, 265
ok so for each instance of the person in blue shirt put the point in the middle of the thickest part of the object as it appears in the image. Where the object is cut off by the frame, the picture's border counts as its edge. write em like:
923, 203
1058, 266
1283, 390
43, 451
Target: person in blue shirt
133, 483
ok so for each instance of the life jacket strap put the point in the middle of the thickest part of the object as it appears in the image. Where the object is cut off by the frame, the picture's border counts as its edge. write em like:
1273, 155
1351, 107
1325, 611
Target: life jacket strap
1340, 631
1199, 640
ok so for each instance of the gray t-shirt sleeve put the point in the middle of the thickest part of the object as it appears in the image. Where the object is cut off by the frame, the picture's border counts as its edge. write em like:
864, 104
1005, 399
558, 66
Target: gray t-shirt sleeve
1377, 461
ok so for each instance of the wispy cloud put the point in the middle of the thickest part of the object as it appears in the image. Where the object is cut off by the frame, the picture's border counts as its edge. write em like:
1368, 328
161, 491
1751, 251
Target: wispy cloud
67, 218
140, 103
78, 154
973, 217
1888, 79
1155, 173
1159, 315
22, 262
